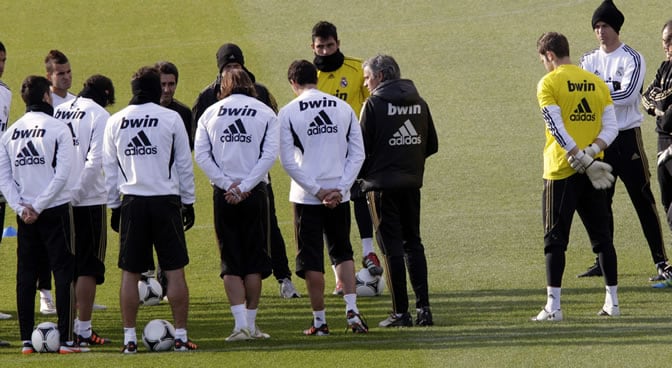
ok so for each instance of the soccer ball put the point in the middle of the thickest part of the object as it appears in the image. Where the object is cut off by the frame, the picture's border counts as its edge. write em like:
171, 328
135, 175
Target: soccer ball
150, 291
46, 338
368, 285
158, 335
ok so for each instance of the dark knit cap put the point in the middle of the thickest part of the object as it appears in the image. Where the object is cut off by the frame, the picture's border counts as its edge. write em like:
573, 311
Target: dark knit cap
229, 53
608, 13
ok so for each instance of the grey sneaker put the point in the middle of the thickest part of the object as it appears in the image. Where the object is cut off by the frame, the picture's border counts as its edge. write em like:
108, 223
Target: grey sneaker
397, 320
287, 289
47, 306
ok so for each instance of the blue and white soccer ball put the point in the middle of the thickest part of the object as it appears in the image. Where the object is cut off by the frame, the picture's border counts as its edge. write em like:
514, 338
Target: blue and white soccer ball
368, 285
150, 291
46, 338
158, 335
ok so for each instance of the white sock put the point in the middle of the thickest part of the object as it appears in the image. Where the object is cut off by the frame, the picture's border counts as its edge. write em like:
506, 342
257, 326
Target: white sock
181, 333
83, 328
239, 316
350, 303
611, 296
552, 298
252, 320
319, 318
129, 335
367, 246
44, 293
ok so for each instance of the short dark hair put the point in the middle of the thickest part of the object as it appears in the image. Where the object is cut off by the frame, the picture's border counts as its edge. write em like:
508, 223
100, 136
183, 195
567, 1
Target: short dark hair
33, 89
555, 42
2, 47
324, 29
302, 72
668, 25
95, 87
237, 81
166, 67
54, 57
384, 64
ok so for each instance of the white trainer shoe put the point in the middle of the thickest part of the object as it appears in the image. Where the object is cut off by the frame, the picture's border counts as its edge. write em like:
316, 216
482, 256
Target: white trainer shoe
47, 306
240, 335
287, 289
5, 316
545, 315
613, 311
258, 334
99, 307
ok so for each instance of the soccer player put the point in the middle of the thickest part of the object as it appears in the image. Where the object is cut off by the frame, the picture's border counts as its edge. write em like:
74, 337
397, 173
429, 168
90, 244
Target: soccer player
169, 78
146, 158
236, 145
399, 135
623, 69
59, 75
230, 56
321, 149
657, 100
86, 117
580, 123
5, 104
36, 153
343, 77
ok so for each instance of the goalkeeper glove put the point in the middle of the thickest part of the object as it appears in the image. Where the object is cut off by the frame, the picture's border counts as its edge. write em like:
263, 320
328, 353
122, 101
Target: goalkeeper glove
589, 153
115, 219
664, 155
188, 216
598, 172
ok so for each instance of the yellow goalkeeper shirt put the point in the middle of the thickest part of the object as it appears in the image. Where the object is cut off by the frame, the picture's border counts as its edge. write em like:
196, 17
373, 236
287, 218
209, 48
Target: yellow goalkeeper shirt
346, 83
582, 98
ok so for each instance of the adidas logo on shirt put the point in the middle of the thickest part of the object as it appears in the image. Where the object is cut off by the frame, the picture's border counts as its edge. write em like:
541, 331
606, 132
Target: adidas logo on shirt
406, 135
28, 156
322, 125
583, 112
140, 146
236, 133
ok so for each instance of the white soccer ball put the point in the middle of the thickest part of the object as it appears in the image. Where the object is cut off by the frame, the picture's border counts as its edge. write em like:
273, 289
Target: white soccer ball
150, 291
158, 335
368, 285
46, 338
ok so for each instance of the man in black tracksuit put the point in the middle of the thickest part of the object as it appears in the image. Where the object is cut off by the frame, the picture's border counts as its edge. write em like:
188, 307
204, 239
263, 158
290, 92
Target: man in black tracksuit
398, 136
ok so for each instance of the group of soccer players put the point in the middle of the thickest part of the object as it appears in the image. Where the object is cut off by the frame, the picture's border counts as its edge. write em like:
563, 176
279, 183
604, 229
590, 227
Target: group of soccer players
67, 160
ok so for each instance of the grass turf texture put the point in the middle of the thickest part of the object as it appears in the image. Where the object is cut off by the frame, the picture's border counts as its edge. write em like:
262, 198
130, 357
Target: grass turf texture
476, 64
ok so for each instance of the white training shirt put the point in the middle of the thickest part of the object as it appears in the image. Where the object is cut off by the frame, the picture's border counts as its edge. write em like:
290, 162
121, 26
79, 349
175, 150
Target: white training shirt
146, 153
321, 145
237, 140
58, 100
624, 66
35, 159
86, 121
5, 105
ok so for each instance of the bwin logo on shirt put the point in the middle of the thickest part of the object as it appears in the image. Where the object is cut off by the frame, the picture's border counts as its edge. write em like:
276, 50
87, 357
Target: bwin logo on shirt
236, 133
28, 156
140, 146
583, 112
406, 135
322, 125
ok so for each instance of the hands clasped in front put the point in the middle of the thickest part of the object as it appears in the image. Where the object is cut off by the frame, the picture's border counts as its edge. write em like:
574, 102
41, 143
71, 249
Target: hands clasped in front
28, 215
234, 195
330, 197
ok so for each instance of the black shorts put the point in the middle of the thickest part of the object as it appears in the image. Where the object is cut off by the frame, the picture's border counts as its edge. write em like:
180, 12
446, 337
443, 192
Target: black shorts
90, 241
147, 221
313, 224
243, 233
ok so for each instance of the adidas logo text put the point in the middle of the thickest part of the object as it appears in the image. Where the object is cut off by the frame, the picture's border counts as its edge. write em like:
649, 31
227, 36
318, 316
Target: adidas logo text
236, 133
140, 146
580, 87
406, 135
583, 112
322, 124
403, 110
29, 156
314, 104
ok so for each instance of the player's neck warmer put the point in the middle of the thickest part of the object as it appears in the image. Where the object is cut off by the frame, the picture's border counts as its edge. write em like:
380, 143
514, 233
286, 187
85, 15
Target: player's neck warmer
145, 90
41, 107
96, 95
329, 63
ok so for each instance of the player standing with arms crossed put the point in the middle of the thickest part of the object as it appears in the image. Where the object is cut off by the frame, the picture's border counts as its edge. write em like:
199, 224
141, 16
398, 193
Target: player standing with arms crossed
572, 140
146, 159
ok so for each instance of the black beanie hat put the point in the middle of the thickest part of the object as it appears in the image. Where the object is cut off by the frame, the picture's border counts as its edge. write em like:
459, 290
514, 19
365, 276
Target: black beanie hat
229, 53
608, 13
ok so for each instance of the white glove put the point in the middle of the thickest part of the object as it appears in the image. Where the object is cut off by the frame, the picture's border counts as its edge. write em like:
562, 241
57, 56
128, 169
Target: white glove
664, 155
591, 151
600, 175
